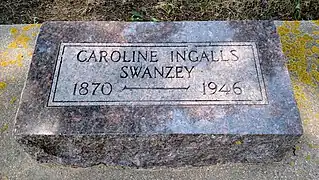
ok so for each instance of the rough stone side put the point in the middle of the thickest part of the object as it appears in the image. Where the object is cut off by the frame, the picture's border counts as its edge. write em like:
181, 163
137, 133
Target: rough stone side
157, 150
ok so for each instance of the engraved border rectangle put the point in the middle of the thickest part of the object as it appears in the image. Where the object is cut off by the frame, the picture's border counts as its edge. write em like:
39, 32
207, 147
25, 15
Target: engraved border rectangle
53, 103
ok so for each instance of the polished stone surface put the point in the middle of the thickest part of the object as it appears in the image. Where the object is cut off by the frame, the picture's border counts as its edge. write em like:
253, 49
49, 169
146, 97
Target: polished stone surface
157, 74
153, 135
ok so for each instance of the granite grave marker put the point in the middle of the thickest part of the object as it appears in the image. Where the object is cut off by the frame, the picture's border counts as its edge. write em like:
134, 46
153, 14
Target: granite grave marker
157, 94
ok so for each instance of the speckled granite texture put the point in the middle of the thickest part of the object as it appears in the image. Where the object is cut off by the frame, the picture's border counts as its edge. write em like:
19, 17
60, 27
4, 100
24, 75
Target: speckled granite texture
146, 136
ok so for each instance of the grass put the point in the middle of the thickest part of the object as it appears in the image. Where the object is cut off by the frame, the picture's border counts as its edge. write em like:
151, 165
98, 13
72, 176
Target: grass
4, 128
297, 14
37, 11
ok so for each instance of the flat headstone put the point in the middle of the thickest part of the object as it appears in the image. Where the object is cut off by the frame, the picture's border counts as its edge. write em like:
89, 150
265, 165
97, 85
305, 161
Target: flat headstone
158, 94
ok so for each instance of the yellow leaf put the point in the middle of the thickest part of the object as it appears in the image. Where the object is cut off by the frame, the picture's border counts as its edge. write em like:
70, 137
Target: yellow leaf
3, 85
13, 31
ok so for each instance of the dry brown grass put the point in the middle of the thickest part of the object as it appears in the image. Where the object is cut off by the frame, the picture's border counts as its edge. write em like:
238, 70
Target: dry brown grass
36, 11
